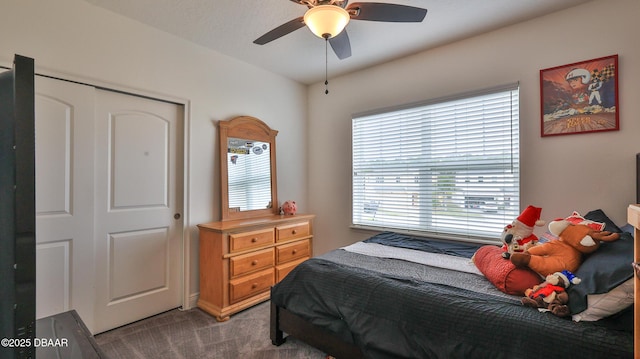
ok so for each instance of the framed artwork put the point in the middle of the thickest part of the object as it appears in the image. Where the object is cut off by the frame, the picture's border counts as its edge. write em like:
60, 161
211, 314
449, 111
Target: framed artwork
579, 98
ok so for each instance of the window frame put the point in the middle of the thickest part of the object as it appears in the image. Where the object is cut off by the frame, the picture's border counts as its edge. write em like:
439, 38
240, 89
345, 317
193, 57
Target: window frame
469, 236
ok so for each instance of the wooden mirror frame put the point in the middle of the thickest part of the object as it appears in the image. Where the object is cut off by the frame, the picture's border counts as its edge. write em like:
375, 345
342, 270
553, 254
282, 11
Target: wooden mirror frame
249, 128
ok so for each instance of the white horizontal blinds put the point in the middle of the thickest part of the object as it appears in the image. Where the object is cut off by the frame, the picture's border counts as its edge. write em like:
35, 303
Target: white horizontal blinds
249, 173
447, 167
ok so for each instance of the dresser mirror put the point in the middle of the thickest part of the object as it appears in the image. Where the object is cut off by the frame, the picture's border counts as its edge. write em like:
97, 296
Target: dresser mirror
247, 168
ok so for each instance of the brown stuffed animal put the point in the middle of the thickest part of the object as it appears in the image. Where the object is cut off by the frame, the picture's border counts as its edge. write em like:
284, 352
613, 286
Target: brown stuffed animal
566, 252
551, 294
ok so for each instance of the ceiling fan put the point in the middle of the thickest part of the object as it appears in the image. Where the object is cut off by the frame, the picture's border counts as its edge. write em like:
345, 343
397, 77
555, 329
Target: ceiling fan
328, 18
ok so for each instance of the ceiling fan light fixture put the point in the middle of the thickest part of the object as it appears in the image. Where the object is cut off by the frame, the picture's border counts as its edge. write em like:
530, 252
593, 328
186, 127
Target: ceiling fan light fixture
326, 21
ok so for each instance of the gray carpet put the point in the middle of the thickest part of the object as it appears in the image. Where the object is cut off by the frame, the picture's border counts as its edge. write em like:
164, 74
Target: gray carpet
195, 334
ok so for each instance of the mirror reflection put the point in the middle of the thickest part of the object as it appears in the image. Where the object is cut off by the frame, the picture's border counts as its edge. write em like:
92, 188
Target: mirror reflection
248, 182
249, 174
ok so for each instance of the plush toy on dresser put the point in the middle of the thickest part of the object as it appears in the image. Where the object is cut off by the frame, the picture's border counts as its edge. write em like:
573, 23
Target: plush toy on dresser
551, 295
566, 252
289, 208
518, 236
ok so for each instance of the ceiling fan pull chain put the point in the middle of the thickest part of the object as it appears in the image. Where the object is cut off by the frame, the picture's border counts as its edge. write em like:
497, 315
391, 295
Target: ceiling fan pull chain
326, 66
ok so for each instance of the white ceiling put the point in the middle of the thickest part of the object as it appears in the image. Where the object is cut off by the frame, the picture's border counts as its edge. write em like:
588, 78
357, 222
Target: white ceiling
229, 27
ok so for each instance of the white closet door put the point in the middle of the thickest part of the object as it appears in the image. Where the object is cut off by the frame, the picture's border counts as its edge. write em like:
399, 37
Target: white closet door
65, 266
108, 188
138, 208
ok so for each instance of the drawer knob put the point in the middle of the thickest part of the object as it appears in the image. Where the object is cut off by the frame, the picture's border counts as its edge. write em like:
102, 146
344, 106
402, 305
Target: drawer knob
254, 286
294, 232
254, 240
254, 262
295, 251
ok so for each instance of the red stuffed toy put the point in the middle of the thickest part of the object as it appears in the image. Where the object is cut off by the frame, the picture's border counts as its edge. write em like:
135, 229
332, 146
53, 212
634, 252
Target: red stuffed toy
551, 294
518, 236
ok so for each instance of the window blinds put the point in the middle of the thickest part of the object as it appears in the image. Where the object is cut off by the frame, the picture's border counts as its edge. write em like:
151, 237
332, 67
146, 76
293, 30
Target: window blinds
447, 167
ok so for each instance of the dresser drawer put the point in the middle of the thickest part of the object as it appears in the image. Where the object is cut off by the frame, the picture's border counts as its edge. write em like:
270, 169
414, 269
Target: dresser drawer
293, 231
247, 240
292, 251
250, 285
251, 262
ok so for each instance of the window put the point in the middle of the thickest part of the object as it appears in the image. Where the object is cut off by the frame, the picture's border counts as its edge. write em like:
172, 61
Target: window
448, 167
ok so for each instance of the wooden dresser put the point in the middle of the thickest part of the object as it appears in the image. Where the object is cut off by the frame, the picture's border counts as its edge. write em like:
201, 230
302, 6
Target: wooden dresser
241, 259
633, 217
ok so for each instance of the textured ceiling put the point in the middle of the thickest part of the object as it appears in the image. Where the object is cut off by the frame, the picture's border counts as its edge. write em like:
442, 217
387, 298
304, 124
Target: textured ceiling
229, 27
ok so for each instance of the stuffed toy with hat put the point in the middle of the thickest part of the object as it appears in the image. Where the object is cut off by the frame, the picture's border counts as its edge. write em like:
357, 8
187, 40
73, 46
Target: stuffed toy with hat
518, 236
566, 252
551, 295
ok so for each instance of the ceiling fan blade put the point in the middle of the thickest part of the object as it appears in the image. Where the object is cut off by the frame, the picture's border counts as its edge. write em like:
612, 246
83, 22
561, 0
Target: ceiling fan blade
341, 45
280, 31
372, 11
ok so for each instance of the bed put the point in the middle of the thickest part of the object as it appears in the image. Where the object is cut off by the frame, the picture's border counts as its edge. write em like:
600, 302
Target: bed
399, 296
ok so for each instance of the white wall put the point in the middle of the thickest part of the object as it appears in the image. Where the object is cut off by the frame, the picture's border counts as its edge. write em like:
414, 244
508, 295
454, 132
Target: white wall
560, 174
76, 40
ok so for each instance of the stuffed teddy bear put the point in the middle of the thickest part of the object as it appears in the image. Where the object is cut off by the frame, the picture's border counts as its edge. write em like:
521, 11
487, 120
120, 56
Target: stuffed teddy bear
566, 252
518, 236
551, 294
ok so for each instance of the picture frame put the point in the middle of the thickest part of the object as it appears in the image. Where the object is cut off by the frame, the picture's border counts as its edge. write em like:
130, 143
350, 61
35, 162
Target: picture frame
581, 97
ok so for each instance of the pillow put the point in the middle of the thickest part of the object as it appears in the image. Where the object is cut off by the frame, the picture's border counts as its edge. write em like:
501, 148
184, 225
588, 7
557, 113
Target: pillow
607, 304
598, 215
502, 273
602, 271
627, 228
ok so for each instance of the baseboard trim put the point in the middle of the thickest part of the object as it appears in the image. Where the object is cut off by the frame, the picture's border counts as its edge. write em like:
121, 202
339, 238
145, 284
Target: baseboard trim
193, 300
